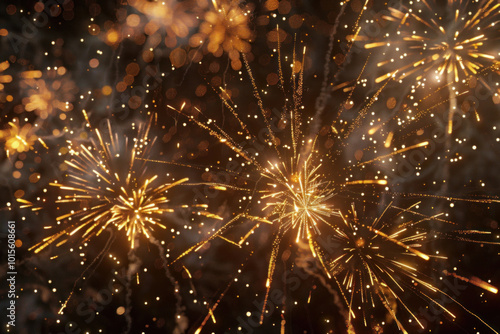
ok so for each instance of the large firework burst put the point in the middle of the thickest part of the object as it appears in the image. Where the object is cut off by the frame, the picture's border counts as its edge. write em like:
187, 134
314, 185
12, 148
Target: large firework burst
298, 182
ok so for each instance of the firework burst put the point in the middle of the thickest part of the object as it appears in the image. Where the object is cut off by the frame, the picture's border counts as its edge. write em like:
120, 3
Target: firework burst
382, 262
302, 202
19, 138
170, 16
111, 185
226, 28
298, 186
48, 93
455, 40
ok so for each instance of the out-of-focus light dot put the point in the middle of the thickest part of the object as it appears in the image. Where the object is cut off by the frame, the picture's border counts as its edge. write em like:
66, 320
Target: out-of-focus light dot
107, 90
94, 62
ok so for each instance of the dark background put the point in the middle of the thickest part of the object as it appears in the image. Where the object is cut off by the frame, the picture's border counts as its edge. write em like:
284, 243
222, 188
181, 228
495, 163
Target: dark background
55, 42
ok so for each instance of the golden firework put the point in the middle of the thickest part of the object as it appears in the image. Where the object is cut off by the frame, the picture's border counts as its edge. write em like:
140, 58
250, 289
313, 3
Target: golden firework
19, 139
226, 28
300, 187
299, 198
48, 92
382, 263
454, 41
108, 184
173, 16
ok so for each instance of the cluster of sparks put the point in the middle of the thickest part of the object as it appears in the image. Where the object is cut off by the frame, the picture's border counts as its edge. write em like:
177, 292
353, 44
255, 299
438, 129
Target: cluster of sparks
448, 43
299, 185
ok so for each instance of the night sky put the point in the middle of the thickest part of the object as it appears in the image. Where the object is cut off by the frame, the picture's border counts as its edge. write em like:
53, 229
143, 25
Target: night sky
179, 166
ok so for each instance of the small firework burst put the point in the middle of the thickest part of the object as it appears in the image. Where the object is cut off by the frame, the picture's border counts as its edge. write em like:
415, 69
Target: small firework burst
172, 16
300, 198
49, 92
19, 138
226, 29
109, 185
